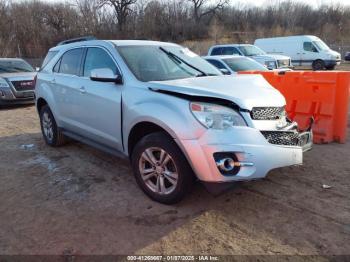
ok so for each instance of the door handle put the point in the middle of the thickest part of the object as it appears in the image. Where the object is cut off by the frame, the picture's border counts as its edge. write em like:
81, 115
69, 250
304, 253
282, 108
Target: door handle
82, 90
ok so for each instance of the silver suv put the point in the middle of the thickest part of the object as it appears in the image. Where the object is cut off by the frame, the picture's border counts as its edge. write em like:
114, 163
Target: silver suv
174, 115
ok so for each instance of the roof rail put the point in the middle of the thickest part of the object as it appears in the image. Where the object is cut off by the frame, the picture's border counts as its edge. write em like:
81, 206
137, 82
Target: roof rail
79, 39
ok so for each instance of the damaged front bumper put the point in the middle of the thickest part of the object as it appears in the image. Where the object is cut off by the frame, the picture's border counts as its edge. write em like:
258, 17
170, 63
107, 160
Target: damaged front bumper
254, 153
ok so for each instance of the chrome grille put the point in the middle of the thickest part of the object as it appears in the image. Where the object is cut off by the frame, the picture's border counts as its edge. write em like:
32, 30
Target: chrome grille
267, 113
282, 138
23, 85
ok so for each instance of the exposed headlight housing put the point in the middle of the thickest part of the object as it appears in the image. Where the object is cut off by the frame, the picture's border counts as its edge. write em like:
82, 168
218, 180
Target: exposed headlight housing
216, 116
3, 83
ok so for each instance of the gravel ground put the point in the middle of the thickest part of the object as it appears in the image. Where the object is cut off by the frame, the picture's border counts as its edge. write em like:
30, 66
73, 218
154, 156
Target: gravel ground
77, 200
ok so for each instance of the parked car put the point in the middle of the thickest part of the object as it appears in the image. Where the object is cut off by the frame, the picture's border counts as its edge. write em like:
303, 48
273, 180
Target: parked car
16, 81
305, 50
174, 115
254, 52
347, 56
229, 64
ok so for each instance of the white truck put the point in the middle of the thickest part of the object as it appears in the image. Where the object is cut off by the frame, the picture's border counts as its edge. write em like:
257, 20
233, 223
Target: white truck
305, 50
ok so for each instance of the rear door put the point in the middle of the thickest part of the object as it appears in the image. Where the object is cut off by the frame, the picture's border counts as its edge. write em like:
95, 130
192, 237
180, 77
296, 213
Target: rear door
66, 88
99, 102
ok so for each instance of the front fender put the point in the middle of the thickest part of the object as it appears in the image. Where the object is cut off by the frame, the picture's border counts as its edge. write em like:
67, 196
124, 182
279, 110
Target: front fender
168, 112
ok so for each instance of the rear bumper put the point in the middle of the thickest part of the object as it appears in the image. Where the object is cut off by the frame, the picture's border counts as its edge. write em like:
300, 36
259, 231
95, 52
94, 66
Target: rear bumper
248, 145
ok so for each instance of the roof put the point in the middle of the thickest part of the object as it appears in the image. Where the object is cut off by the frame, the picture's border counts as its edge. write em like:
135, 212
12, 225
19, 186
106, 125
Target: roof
290, 37
115, 42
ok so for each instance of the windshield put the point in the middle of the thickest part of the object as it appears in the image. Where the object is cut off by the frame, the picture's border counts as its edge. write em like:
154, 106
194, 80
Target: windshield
321, 45
244, 64
155, 63
14, 66
251, 50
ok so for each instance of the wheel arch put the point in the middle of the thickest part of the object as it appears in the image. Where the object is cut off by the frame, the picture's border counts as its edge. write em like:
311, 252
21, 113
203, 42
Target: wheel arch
40, 103
140, 130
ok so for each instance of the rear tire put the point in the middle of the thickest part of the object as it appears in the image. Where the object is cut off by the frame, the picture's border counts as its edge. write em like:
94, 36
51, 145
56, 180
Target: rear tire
161, 169
318, 65
53, 136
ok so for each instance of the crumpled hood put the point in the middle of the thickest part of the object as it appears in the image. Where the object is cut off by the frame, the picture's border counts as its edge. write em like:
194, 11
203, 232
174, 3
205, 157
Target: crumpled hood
247, 91
18, 76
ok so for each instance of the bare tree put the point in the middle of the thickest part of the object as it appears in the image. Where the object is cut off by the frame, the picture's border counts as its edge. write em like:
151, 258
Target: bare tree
199, 10
122, 9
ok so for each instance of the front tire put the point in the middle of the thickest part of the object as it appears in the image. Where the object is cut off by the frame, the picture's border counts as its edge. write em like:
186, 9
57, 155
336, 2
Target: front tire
318, 65
161, 169
330, 67
53, 136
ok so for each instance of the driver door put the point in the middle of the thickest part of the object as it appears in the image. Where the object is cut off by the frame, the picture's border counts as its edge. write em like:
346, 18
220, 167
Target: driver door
308, 54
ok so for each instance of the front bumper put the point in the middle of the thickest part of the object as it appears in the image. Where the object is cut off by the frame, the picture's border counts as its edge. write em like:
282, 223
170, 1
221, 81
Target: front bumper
9, 97
248, 145
330, 63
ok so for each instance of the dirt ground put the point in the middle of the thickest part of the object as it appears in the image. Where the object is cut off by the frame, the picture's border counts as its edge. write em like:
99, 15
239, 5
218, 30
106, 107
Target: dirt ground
78, 200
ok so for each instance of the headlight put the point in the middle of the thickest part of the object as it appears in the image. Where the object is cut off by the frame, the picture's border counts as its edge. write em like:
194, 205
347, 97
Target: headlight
216, 116
270, 64
3, 83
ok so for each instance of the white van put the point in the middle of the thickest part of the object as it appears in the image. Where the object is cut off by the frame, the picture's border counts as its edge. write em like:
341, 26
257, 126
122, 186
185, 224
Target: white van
305, 50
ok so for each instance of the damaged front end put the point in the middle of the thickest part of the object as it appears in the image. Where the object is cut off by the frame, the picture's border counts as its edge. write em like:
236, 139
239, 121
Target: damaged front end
286, 131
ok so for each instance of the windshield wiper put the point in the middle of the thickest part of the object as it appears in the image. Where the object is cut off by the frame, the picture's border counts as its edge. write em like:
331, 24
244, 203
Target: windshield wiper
177, 58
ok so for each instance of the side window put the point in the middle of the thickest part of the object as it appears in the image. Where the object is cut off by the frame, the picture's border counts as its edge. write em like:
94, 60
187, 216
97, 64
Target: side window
70, 62
97, 58
308, 46
230, 51
216, 63
216, 51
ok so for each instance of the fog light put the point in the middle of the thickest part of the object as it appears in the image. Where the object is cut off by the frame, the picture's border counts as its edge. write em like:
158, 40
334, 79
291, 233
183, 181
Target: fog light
226, 164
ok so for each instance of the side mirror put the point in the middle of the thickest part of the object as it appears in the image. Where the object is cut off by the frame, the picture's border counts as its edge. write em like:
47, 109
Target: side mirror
225, 71
105, 75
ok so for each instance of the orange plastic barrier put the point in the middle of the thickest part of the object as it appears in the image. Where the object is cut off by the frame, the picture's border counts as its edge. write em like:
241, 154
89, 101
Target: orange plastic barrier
321, 95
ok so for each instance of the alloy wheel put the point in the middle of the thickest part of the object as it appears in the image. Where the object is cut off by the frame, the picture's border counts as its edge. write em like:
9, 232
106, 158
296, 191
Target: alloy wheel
158, 170
47, 126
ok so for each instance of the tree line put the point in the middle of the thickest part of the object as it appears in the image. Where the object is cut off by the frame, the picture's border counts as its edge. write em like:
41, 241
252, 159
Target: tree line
29, 28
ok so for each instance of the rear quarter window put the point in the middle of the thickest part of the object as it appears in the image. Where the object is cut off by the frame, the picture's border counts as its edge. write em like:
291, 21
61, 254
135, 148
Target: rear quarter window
71, 61
48, 58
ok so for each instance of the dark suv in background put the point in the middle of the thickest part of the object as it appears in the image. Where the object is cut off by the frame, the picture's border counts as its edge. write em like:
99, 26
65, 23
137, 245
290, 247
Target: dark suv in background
16, 81
347, 56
